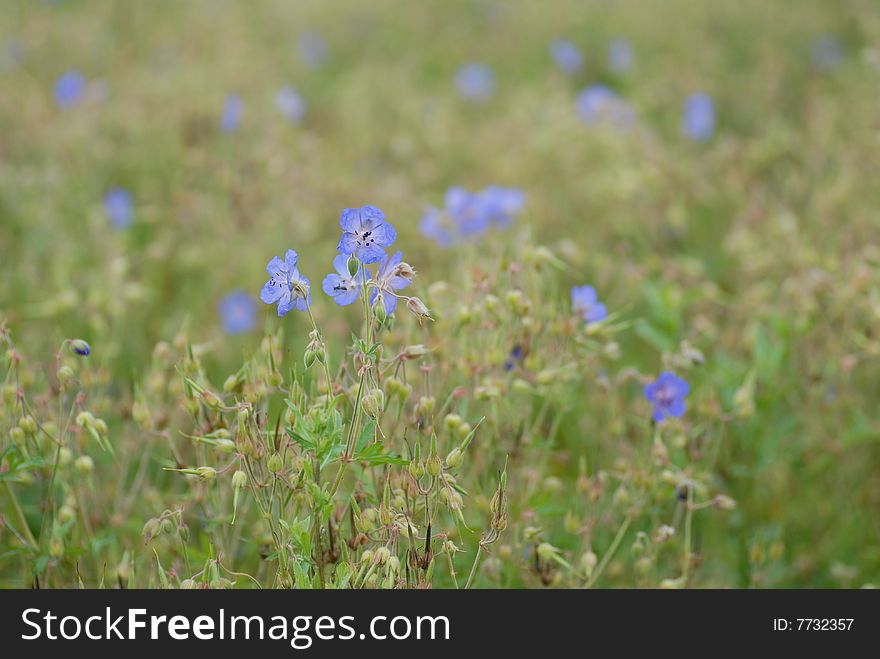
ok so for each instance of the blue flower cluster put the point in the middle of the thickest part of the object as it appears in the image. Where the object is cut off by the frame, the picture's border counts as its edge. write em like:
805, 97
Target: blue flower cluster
365, 236
467, 215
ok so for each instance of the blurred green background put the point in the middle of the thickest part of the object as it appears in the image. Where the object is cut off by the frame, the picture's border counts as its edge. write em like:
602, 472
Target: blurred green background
759, 245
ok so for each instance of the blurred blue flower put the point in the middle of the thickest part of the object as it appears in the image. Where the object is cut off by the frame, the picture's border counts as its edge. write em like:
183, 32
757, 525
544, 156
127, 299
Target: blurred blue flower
475, 82
286, 285
437, 225
312, 49
585, 303
516, 355
667, 394
566, 55
365, 233
70, 89
598, 103
391, 277
119, 208
233, 109
80, 347
501, 204
620, 56
467, 210
290, 104
698, 122
340, 285
238, 312
826, 52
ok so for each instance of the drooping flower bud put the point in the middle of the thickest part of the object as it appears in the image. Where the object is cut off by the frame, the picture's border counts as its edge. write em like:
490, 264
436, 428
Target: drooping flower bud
80, 347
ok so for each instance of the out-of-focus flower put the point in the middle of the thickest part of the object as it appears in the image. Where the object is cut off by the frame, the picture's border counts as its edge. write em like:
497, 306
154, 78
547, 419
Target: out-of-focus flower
515, 357
826, 52
70, 89
392, 276
312, 49
585, 302
698, 122
501, 204
566, 55
620, 56
119, 208
469, 214
238, 312
233, 109
291, 104
598, 103
286, 286
475, 82
365, 233
667, 394
341, 285
438, 226
80, 347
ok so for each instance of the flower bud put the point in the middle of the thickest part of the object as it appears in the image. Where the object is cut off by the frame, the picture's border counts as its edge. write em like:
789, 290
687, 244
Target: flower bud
66, 513
206, 473
374, 402
65, 375
84, 464
353, 266
454, 458
309, 358
379, 309
276, 464
187, 584
239, 479
724, 502
434, 466
231, 384
28, 424
17, 436
588, 563
415, 351
418, 308
80, 347
416, 469
382, 555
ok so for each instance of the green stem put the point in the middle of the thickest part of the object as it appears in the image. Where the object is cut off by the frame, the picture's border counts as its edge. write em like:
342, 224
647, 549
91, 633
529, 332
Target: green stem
20, 514
610, 553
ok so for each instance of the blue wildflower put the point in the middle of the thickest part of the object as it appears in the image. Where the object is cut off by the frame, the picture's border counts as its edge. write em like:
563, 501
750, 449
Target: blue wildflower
468, 211
365, 233
312, 49
238, 312
392, 276
475, 82
290, 104
597, 103
233, 109
438, 226
566, 55
585, 302
620, 57
501, 204
80, 347
119, 208
667, 394
516, 355
70, 89
340, 285
286, 285
698, 122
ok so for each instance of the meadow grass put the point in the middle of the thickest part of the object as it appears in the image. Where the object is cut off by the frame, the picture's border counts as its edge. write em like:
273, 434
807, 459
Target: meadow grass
504, 441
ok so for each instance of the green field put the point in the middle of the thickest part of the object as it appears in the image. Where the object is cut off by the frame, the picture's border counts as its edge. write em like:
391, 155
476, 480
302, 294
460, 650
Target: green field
155, 156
